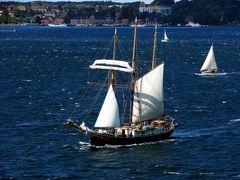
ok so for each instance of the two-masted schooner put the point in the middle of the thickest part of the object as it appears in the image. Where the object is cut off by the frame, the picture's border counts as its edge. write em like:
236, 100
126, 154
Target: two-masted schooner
147, 121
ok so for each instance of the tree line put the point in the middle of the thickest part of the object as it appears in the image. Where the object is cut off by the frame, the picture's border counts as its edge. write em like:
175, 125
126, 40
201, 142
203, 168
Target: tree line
206, 12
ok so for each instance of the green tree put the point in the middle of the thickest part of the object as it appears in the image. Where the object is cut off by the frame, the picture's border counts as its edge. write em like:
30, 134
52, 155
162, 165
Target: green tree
163, 2
38, 19
5, 15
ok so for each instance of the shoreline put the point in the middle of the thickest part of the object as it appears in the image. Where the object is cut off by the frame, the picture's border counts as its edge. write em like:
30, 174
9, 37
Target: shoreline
147, 26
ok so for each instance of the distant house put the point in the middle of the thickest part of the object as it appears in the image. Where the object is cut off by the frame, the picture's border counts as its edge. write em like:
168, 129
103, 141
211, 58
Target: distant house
50, 15
21, 8
91, 21
58, 21
45, 21
124, 21
74, 21
11, 14
39, 8
157, 9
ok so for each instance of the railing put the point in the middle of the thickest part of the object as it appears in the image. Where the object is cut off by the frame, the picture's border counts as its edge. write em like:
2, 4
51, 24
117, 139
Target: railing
148, 132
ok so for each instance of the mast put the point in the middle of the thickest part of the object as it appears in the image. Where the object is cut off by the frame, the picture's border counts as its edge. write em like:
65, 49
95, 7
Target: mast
154, 47
113, 74
134, 49
133, 69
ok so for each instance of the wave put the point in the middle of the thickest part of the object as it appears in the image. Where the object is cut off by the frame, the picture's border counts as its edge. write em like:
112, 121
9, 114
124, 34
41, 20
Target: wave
202, 132
233, 121
233, 73
173, 173
140, 144
82, 145
26, 80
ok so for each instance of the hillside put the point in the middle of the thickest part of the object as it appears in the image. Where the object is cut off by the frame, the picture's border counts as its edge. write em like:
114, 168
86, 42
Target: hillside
209, 12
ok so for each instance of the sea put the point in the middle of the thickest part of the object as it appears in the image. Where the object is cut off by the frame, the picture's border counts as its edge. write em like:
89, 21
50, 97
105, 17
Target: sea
44, 75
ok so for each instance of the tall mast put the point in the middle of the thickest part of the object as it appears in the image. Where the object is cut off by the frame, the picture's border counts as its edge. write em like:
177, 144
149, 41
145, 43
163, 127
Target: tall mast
133, 69
113, 74
134, 49
154, 47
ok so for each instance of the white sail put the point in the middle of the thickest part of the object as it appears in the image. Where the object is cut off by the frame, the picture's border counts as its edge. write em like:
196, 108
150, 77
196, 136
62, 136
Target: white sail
148, 96
210, 62
109, 114
108, 64
165, 36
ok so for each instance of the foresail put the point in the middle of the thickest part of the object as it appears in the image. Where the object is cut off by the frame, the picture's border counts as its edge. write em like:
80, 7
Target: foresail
210, 62
148, 96
109, 113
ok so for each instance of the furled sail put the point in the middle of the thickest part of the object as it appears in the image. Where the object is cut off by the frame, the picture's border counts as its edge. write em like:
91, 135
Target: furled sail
109, 113
210, 62
148, 96
108, 64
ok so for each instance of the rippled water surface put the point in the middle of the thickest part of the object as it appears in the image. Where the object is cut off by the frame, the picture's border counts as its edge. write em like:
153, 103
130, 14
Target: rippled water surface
44, 72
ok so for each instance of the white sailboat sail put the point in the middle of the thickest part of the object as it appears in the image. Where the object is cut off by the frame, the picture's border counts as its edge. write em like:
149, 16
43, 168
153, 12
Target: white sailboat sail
148, 96
210, 62
109, 114
165, 36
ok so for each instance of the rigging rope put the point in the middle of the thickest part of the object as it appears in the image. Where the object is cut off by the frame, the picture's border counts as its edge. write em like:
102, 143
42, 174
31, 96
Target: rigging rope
84, 93
94, 102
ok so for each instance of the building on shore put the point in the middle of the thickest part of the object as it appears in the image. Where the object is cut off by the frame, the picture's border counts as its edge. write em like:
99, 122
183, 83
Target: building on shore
157, 9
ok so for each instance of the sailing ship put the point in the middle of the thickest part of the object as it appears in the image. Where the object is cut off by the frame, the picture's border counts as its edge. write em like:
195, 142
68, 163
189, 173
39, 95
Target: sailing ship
165, 37
209, 66
146, 120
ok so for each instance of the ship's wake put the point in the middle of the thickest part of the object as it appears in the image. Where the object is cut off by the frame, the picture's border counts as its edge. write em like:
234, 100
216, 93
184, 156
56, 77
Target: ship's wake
82, 145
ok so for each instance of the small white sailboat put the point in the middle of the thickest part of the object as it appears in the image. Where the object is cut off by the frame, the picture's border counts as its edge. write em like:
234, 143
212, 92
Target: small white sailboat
209, 66
165, 37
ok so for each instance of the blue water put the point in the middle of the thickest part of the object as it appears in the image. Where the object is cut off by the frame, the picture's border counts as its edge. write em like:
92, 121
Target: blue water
44, 71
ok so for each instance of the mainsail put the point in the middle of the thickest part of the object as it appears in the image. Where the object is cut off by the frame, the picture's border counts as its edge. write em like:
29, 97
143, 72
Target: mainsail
148, 96
109, 114
165, 36
210, 62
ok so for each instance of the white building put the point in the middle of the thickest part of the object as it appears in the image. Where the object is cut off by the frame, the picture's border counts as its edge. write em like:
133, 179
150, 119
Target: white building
157, 9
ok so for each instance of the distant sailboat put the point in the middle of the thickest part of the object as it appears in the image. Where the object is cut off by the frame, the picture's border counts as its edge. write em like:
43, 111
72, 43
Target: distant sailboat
209, 66
146, 120
165, 37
